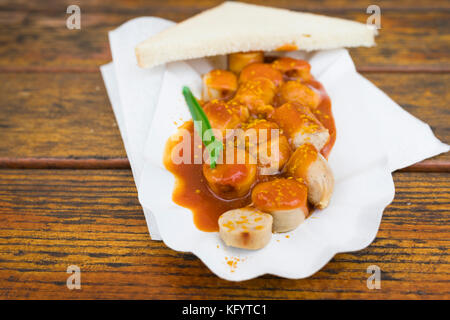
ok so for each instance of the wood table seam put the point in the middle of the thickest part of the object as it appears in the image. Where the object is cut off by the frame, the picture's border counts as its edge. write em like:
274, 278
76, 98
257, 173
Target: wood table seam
123, 163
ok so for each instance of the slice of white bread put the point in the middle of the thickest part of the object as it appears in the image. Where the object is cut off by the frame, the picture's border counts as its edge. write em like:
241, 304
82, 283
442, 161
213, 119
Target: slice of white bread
235, 27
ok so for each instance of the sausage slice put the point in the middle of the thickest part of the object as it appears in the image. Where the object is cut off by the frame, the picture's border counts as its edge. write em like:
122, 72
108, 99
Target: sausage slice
310, 166
285, 200
300, 125
246, 228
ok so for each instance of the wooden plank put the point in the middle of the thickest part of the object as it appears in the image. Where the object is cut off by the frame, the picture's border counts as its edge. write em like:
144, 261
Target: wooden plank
409, 41
58, 116
433, 165
50, 219
139, 6
70, 119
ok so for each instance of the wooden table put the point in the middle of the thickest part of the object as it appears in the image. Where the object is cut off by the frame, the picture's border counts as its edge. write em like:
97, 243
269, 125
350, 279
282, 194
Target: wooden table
67, 196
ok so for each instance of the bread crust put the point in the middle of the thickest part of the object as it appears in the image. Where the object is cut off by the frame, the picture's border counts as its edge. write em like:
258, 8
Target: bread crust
210, 33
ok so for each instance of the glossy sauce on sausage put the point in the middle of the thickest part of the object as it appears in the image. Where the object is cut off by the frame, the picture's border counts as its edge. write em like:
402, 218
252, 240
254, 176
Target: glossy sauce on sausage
192, 191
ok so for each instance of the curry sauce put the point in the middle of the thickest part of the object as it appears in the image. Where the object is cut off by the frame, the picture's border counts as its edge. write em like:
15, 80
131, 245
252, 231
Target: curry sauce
192, 190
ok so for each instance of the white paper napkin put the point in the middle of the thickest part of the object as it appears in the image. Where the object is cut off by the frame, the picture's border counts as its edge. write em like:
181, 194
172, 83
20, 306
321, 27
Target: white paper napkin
134, 95
135, 159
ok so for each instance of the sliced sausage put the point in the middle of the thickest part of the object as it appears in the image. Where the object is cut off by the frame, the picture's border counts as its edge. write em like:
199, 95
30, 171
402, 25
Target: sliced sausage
300, 125
296, 91
272, 155
285, 200
237, 61
261, 70
218, 84
308, 165
234, 177
225, 115
257, 95
246, 228
264, 140
293, 69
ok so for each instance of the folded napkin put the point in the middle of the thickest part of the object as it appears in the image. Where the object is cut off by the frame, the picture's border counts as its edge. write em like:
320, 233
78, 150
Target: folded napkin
134, 95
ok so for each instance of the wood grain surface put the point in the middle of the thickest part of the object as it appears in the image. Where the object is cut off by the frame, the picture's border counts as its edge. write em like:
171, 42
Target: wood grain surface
50, 219
73, 110
54, 113
143, 6
40, 42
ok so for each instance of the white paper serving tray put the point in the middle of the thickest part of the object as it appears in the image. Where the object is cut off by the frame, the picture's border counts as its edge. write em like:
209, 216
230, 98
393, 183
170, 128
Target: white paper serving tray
375, 136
